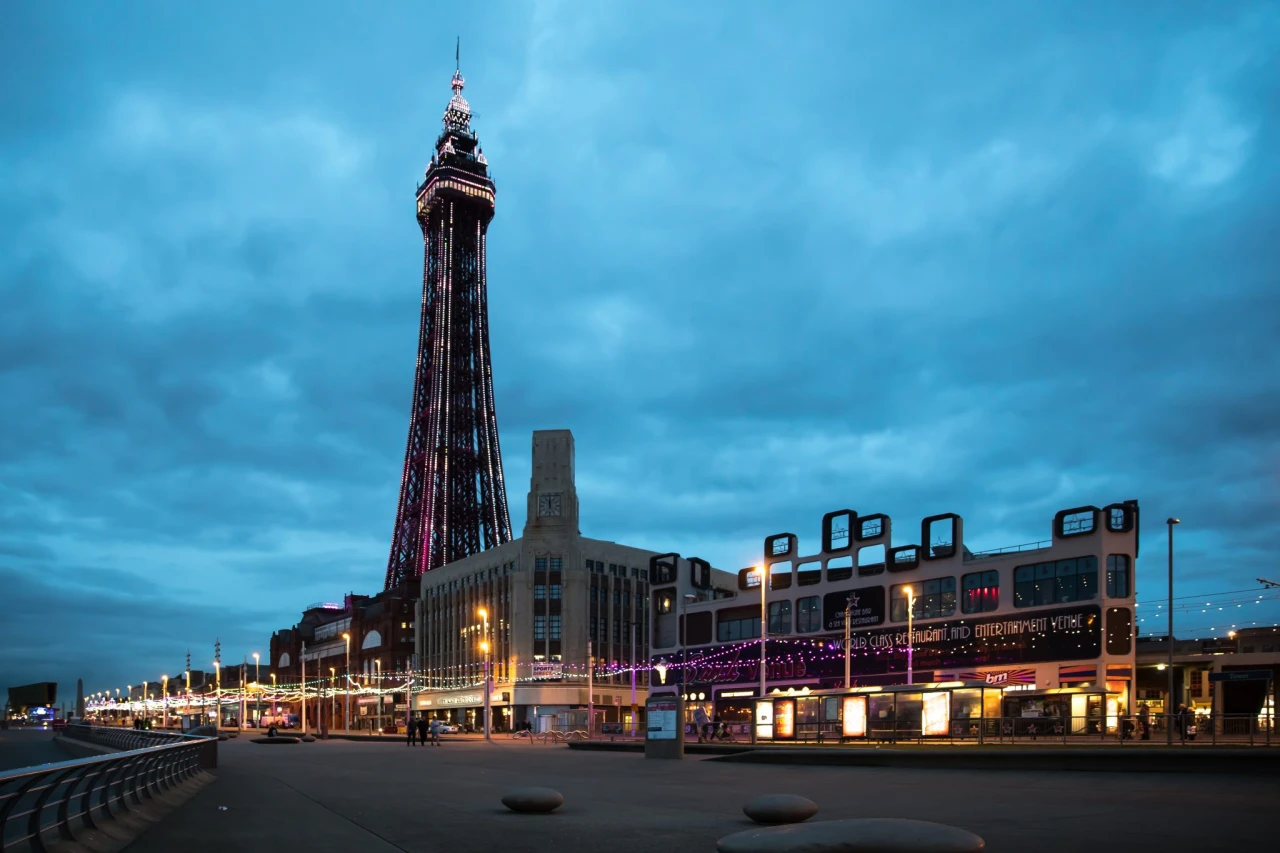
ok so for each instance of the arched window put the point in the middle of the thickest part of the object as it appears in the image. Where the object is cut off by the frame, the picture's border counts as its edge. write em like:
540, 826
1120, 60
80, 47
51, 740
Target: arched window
371, 640
285, 660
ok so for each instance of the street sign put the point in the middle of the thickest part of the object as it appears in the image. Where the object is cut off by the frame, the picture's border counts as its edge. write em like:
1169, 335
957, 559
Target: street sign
1242, 675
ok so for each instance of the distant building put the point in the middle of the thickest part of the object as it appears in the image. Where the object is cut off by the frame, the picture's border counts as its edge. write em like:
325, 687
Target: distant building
1234, 676
547, 595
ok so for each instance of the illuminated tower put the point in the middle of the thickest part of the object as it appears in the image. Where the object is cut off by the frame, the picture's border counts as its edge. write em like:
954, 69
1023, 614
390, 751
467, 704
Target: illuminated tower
453, 501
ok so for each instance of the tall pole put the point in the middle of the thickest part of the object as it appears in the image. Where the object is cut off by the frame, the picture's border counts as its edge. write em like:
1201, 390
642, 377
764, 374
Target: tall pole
377, 677
164, 723
911, 606
257, 680
764, 626
303, 662
635, 640
244, 697
346, 723
333, 695
1169, 711
848, 606
484, 645
217, 694
591, 685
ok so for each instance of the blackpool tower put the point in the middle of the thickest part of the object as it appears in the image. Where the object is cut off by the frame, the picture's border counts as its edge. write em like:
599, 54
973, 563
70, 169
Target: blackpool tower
453, 501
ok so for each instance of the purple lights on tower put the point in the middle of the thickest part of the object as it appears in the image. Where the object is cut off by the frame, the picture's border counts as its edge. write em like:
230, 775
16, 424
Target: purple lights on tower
453, 501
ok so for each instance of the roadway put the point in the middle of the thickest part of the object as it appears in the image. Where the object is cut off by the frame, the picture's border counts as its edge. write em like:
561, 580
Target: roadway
382, 797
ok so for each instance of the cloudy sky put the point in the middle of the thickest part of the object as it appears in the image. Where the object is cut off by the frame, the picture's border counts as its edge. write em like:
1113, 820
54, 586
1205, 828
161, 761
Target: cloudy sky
765, 261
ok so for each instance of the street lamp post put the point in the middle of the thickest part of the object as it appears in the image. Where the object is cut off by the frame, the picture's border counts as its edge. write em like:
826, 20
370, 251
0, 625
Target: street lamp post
635, 639
275, 706
164, 701
591, 687
144, 703
911, 606
377, 667
848, 607
257, 680
346, 722
187, 699
1169, 716
484, 647
333, 695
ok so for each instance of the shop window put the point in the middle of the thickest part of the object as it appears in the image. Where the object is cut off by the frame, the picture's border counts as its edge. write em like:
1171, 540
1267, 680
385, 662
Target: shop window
1117, 575
738, 623
981, 591
933, 599
808, 615
871, 560
839, 568
1055, 583
780, 617
1119, 631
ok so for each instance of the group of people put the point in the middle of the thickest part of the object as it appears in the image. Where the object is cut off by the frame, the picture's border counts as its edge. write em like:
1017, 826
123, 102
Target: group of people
419, 729
709, 730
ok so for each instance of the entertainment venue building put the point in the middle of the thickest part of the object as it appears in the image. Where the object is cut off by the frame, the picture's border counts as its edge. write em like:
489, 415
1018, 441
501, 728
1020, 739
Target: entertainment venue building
941, 641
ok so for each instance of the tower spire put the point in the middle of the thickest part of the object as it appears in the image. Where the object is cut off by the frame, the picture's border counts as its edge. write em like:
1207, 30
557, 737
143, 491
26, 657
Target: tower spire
457, 56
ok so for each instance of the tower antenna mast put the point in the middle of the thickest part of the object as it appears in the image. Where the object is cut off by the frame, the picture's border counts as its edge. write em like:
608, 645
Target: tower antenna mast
457, 55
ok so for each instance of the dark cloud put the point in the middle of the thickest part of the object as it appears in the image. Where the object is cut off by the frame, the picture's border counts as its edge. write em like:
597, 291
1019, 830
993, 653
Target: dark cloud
763, 266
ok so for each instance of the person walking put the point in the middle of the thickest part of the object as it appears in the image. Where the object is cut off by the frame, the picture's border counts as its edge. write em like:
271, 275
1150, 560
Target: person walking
1144, 720
435, 732
411, 729
701, 720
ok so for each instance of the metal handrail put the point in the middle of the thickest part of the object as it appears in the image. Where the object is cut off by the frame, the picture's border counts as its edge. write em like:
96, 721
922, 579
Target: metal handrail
69, 796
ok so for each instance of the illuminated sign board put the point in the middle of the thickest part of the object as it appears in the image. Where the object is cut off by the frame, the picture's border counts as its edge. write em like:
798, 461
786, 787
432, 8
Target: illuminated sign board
866, 608
784, 718
661, 722
764, 718
936, 713
854, 716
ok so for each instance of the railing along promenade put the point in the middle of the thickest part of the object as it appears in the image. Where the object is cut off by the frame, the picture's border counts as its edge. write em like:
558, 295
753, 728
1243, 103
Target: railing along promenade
64, 801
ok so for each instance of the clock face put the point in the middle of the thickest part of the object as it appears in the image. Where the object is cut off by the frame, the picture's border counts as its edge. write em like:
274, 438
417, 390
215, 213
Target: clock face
548, 504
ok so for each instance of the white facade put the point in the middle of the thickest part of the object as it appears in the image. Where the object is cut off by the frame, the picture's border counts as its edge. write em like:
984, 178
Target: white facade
546, 594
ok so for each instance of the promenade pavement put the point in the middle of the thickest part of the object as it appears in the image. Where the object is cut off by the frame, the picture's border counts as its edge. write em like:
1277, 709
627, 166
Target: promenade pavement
382, 797
23, 747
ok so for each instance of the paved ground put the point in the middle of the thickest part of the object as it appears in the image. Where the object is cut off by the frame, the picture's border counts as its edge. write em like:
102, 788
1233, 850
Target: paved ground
348, 796
25, 747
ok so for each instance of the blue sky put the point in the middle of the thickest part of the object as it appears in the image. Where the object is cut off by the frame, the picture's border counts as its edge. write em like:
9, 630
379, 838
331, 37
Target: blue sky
765, 260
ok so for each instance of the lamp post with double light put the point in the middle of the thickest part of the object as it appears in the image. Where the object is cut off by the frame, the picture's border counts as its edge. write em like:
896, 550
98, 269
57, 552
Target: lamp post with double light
911, 607
484, 647
346, 723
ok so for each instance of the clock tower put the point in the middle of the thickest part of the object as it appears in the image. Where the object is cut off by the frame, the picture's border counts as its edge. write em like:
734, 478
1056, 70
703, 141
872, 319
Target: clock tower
553, 497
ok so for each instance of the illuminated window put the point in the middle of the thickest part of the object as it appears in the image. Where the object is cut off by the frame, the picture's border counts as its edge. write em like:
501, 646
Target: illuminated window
981, 592
780, 617
1117, 575
933, 598
808, 615
1049, 583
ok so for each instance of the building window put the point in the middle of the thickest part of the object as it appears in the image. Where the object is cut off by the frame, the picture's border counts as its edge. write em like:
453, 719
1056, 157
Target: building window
626, 598
592, 630
556, 564
539, 627
1117, 575
738, 623
981, 592
617, 631
644, 575
780, 617
555, 626
808, 615
555, 590
604, 628
617, 596
1056, 583
626, 630
539, 564
540, 591
932, 599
